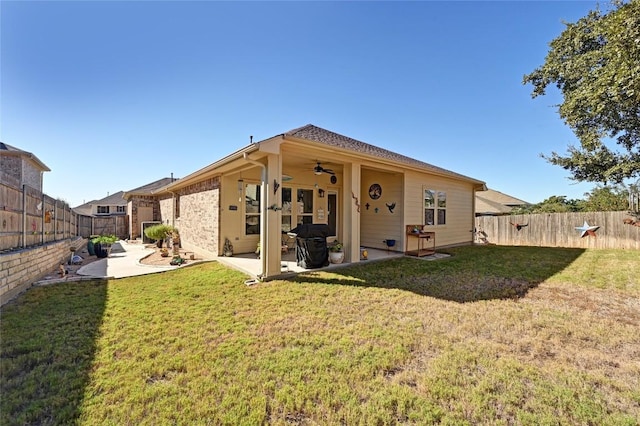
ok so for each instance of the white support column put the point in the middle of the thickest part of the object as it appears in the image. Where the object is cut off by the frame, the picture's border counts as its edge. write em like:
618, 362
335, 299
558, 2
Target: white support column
352, 200
273, 225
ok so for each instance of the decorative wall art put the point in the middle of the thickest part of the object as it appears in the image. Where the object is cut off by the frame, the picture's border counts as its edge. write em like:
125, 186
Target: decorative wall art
390, 206
375, 191
334, 180
357, 201
586, 229
518, 226
367, 206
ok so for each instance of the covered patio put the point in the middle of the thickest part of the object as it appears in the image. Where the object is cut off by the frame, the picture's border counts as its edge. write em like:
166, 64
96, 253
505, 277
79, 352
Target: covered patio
251, 265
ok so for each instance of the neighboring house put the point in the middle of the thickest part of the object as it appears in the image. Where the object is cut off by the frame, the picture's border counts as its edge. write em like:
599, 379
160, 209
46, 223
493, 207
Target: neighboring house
111, 205
495, 203
366, 195
143, 206
18, 167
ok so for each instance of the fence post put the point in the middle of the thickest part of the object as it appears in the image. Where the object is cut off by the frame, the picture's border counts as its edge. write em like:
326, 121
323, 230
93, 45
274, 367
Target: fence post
42, 219
24, 216
55, 220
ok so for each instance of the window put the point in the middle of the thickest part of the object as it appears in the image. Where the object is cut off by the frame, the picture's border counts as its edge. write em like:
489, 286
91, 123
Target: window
121, 209
103, 209
286, 209
435, 207
252, 209
305, 206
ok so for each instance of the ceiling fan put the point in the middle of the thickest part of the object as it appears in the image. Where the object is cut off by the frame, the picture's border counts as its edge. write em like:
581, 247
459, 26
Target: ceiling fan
318, 170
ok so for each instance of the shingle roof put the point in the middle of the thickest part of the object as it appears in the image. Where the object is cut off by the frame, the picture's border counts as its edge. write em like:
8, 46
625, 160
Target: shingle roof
496, 202
499, 197
317, 134
116, 199
12, 150
151, 187
112, 200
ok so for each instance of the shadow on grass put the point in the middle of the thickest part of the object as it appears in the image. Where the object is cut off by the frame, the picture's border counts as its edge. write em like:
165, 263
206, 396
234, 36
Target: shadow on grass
471, 274
48, 347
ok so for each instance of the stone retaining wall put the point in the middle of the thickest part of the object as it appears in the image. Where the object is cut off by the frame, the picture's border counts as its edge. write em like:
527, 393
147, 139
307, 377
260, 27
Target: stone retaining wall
20, 269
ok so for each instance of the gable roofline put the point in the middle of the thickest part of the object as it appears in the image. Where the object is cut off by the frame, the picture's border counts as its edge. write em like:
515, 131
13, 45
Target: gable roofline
331, 140
6, 149
150, 188
319, 135
211, 168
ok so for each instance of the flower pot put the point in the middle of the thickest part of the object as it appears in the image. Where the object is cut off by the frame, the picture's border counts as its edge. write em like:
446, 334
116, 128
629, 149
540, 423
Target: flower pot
336, 256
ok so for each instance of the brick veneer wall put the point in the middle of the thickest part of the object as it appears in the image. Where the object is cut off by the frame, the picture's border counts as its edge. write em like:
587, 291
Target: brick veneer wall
142, 201
199, 221
20, 269
21, 170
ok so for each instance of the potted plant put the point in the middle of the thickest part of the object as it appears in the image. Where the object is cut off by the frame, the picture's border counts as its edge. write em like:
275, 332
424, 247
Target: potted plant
102, 244
336, 255
164, 252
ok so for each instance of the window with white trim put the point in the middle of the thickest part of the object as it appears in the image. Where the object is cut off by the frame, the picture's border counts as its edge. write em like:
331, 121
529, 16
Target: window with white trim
305, 206
103, 209
286, 209
121, 209
252, 209
435, 207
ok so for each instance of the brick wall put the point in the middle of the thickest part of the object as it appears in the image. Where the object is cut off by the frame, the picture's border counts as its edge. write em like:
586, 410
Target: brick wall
200, 216
136, 202
31, 176
11, 166
20, 269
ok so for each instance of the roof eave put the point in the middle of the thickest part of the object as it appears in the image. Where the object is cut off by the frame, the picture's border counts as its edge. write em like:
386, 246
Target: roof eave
478, 184
207, 171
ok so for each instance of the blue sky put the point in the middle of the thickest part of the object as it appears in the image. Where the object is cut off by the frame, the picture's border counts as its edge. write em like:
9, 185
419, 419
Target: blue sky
114, 95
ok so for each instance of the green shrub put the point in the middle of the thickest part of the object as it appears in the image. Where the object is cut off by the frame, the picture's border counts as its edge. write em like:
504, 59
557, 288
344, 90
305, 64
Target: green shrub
159, 232
104, 239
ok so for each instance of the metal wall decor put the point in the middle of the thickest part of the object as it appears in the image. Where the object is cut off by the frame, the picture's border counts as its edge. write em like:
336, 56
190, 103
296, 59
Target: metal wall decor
375, 191
586, 229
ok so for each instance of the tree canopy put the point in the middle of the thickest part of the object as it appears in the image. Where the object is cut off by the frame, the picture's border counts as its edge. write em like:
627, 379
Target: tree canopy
595, 63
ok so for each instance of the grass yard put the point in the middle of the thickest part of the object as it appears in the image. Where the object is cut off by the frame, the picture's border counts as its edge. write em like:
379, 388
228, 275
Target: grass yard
492, 335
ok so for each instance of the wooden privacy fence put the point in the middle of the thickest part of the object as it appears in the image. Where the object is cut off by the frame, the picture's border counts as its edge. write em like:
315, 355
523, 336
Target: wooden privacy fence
559, 230
29, 217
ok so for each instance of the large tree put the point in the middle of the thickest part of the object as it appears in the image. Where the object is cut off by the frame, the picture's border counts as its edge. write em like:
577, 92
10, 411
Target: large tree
595, 63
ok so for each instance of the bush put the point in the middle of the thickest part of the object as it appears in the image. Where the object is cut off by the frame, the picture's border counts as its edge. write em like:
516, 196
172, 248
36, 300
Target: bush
104, 239
159, 233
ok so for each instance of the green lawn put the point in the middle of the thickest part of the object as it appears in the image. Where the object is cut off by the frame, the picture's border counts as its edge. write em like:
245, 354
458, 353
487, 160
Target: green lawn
491, 335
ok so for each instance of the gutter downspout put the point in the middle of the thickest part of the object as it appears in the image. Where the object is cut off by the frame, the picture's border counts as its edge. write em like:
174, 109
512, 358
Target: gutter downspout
263, 215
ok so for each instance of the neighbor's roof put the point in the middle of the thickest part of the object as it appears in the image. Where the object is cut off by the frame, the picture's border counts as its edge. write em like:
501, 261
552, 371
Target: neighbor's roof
496, 202
318, 134
6, 149
149, 188
502, 198
116, 199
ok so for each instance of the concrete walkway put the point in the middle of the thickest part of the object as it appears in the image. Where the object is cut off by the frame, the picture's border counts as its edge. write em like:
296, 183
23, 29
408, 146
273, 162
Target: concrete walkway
124, 261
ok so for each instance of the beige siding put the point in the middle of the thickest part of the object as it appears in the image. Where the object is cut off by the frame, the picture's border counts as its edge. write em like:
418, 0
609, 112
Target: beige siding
459, 226
380, 225
232, 224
